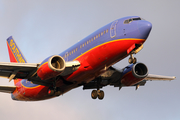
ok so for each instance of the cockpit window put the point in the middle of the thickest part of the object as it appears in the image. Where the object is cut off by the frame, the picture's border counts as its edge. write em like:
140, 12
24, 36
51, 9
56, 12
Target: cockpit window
136, 18
131, 19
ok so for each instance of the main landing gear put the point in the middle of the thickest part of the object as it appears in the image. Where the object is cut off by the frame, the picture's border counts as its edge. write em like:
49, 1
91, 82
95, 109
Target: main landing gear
97, 93
54, 91
132, 59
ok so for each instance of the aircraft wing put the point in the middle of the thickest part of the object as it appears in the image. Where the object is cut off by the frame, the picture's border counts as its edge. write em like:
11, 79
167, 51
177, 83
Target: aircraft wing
113, 77
27, 70
159, 77
7, 89
17, 70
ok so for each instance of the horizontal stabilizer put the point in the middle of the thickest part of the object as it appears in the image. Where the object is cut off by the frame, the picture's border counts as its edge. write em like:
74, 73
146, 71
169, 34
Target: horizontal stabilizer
7, 89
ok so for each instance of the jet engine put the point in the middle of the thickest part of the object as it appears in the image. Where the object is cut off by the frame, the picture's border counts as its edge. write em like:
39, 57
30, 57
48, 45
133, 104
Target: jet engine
51, 67
134, 74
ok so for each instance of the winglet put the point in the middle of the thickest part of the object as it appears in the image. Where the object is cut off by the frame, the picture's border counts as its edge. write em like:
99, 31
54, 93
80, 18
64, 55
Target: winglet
15, 53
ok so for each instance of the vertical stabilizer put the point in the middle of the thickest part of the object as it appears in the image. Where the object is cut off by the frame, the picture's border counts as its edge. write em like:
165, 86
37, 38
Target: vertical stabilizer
15, 53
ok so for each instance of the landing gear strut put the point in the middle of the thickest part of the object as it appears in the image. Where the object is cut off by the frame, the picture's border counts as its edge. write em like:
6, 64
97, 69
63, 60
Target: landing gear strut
54, 91
132, 59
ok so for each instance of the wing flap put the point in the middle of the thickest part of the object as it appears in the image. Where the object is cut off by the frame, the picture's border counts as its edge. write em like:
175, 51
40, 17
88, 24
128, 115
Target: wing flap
7, 89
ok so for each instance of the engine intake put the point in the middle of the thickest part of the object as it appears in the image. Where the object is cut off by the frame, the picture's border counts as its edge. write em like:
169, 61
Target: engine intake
133, 74
56, 63
140, 70
51, 67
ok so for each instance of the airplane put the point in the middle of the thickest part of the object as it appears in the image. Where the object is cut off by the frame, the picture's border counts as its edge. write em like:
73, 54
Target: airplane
87, 64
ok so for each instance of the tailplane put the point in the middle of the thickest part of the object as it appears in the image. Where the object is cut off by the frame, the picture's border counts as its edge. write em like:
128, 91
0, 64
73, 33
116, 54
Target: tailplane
15, 53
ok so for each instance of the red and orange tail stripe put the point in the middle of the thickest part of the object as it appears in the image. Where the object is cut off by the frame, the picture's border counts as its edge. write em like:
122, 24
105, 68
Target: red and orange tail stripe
15, 53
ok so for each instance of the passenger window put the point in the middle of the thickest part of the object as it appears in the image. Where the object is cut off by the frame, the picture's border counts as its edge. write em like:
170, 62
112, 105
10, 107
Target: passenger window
76, 49
104, 32
99, 35
107, 31
94, 38
83, 45
87, 42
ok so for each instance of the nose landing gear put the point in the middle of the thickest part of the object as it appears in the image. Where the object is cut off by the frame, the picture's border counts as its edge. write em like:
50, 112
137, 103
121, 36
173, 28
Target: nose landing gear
132, 59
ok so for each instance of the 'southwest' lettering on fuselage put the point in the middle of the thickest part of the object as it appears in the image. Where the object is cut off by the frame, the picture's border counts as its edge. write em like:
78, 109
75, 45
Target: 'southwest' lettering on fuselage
17, 53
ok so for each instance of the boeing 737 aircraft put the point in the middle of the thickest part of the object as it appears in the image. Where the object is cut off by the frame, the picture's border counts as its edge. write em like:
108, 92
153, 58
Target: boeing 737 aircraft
88, 63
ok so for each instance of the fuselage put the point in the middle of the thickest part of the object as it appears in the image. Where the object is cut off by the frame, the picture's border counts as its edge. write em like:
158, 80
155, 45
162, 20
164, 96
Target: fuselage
96, 53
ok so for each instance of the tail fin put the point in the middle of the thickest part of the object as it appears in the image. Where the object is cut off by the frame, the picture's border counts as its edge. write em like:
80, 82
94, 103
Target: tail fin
15, 53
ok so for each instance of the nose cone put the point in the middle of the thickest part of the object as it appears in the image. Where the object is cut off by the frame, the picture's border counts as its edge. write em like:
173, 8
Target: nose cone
144, 28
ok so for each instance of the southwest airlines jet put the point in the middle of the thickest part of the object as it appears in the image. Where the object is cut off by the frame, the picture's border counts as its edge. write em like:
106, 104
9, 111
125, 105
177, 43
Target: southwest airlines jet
88, 63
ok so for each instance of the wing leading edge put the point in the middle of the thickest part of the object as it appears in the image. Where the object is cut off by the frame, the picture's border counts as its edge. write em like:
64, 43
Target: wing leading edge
159, 77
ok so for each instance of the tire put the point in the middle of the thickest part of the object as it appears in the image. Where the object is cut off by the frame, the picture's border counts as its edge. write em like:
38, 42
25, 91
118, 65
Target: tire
94, 94
134, 60
101, 95
51, 92
130, 61
58, 92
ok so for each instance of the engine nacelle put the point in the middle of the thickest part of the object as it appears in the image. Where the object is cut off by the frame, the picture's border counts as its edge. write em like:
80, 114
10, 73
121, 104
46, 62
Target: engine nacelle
133, 74
51, 67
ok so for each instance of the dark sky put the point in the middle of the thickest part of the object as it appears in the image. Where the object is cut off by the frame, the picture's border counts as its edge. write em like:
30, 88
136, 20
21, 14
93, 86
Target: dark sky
42, 28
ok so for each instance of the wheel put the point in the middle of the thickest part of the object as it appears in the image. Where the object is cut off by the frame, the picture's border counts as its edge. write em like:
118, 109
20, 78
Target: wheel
130, 60
58, 92
101, 95
50, 92
134, 61
94, 94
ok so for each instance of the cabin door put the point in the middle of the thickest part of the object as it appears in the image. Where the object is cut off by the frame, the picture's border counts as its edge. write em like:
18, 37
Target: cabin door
113, 29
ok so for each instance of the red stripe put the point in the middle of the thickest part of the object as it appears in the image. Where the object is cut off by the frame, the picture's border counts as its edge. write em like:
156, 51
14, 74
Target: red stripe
11, 55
